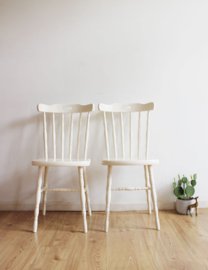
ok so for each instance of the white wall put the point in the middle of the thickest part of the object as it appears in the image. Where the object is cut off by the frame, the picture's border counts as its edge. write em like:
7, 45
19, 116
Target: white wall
103, 51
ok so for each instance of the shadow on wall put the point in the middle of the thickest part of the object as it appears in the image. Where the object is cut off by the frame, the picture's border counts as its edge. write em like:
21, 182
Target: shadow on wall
21, 142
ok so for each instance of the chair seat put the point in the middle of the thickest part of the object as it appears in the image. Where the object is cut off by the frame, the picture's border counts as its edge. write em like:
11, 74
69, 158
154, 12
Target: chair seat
129, 161
61, 163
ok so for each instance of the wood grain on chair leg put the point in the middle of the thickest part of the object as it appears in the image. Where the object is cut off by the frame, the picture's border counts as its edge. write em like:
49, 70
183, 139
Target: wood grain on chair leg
45, 192
148, 192
87, 192
82, 196
108, 197
154, 196
38, 196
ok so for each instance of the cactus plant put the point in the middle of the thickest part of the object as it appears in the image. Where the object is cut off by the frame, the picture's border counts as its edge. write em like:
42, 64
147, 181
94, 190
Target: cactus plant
185, 189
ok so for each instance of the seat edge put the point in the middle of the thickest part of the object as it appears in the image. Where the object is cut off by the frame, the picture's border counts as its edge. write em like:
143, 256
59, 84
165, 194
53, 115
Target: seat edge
130, 162
52, 163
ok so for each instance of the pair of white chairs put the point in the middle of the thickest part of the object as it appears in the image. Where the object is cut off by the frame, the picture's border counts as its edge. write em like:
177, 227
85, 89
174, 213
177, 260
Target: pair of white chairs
115, 110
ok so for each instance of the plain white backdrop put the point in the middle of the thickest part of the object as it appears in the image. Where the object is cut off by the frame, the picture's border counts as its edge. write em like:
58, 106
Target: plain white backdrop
103, 51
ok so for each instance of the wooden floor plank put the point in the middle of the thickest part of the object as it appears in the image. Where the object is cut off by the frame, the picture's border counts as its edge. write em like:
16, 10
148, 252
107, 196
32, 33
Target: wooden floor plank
131, 243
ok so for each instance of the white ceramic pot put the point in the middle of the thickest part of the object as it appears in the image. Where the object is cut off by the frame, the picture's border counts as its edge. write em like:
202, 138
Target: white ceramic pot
182, 206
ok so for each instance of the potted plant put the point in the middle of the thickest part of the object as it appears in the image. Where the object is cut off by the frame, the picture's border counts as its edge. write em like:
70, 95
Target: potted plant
184, 191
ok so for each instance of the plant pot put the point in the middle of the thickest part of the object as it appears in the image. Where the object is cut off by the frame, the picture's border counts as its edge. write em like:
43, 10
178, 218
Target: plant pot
182, 206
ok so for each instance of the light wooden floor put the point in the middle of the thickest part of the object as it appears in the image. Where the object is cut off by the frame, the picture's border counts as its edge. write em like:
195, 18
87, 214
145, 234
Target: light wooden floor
131, 243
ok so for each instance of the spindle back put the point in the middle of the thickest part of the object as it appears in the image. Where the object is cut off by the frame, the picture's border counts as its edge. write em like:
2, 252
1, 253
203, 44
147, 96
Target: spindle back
65, 109
119, 110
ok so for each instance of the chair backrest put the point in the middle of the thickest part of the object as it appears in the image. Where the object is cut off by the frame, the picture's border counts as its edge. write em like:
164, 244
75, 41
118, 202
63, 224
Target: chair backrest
63, 109
129, 109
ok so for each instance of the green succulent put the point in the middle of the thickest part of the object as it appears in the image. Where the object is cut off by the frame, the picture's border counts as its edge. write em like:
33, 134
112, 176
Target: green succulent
179, 182
193, 183
174, 183
178, 191
190, 191
184, 180
185, 189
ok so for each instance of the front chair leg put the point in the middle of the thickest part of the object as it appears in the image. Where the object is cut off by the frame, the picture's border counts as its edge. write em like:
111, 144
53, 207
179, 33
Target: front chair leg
147, 191
108, 197
45, 192
82, 197
154, 196
38, 196
87, 192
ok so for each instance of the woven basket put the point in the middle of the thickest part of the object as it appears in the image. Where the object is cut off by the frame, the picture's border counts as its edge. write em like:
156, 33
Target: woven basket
182, 206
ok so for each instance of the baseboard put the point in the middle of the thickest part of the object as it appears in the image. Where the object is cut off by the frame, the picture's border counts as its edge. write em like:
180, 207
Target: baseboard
94, 206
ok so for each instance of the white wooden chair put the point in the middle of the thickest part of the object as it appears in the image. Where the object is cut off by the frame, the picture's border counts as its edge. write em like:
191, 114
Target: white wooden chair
119, 110
81, 163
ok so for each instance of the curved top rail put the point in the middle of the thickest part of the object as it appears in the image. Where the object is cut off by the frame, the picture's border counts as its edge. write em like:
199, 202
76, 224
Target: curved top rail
65, 108
131, 107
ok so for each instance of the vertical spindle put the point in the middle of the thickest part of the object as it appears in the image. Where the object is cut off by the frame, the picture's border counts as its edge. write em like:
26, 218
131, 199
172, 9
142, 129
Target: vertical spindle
71, 137
62, 136
45, 136
122, 137
86, 136
106, 135
79, 135
54, 137
114, 135
139, 139
130, 135
147, 136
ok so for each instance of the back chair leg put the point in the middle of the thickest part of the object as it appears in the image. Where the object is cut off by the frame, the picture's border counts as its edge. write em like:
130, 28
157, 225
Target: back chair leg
82, 196
148, 192
154, 196
87, 192
38, 196
108, 196
45, 192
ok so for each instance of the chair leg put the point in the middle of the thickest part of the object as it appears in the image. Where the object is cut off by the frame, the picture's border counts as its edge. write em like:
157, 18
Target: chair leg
82, 196
154, 196
87, 192
38, 196
45, 192
148, 192
108, 197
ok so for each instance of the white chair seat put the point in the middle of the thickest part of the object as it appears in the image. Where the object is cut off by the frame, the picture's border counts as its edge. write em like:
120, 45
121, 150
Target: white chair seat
61, 163
129, 161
